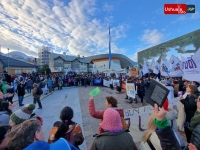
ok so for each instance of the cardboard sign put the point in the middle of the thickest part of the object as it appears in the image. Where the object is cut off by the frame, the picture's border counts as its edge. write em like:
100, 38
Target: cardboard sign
157, 93
95, 92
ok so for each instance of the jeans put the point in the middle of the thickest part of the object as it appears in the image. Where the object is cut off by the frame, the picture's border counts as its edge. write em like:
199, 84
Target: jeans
20, 98
29, 89
38, 101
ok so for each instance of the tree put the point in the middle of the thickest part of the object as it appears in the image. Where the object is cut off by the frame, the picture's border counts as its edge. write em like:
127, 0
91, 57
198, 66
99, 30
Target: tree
45, 69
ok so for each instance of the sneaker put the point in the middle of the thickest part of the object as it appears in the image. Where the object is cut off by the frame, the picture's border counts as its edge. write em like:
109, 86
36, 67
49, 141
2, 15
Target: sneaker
21, 105
39, 107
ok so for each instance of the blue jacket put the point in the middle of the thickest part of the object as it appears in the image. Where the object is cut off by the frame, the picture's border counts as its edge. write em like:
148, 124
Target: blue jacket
50, 82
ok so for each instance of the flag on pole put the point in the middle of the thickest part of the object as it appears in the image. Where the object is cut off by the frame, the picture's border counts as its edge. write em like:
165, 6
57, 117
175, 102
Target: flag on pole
164, 68
152, 64
110, 56
156, 68
145, 68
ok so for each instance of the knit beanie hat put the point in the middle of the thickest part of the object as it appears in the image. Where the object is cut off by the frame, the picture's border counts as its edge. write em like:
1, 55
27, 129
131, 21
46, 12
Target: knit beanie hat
23, 114
111, 121
165, 105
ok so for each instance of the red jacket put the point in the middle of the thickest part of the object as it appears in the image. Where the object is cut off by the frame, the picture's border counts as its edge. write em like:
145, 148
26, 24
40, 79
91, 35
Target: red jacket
99, 114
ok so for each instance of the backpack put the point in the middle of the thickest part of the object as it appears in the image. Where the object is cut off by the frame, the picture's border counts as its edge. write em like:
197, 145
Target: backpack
75, 135
39, 91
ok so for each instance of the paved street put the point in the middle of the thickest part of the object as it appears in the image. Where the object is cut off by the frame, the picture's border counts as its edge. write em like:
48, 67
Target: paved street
77, 98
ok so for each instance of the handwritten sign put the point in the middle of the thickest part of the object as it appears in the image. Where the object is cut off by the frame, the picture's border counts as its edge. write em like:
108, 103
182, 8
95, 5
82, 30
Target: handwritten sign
130, 89
157, 93
95, 92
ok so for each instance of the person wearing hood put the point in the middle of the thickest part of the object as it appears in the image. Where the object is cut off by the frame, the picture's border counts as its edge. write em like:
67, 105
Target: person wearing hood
5, 112
113, 137
30, 136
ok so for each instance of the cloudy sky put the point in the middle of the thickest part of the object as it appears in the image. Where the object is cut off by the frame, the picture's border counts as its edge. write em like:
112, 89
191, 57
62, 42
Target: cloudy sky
81, 26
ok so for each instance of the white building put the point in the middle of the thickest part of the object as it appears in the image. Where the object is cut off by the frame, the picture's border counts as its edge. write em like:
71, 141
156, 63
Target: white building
43, 55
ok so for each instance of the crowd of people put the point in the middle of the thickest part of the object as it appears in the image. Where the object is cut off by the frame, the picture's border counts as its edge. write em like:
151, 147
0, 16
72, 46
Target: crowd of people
22, 129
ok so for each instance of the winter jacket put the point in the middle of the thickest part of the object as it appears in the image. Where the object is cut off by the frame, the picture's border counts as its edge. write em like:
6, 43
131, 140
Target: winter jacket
172, 116
190, 107
21, 90
50, 83
3, 87
195, 121
168, 139
4, 117
34, 93
114, 141
99, 114
29, 83
195, 138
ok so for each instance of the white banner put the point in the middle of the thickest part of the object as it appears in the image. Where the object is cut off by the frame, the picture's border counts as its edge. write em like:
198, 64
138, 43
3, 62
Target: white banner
130, 89
139, 118
115, 83
107, 83
191, 67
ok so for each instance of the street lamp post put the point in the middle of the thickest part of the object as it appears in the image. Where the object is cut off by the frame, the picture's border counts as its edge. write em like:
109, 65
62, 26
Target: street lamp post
8, 63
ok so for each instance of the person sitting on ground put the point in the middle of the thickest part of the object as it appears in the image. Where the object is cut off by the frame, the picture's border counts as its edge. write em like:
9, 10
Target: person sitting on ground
110, 102
21, 115
113, 137
69, 129
5, 112
4, 130
30, 136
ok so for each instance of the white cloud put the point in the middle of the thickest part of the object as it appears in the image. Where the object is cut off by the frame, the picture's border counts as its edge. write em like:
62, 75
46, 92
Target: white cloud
151, 36
108, 7
27, 24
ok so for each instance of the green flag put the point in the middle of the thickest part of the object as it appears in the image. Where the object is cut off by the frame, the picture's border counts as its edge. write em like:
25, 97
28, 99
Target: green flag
95, 92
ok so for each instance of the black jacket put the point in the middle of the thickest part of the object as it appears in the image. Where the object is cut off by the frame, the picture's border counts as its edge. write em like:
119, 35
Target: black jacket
190, 107
195, 138
168, 140
21, 90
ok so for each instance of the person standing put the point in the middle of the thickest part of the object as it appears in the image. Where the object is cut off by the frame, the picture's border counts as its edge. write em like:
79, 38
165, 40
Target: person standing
141, 90
37, 92
29, 84
50, 84
21, 92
